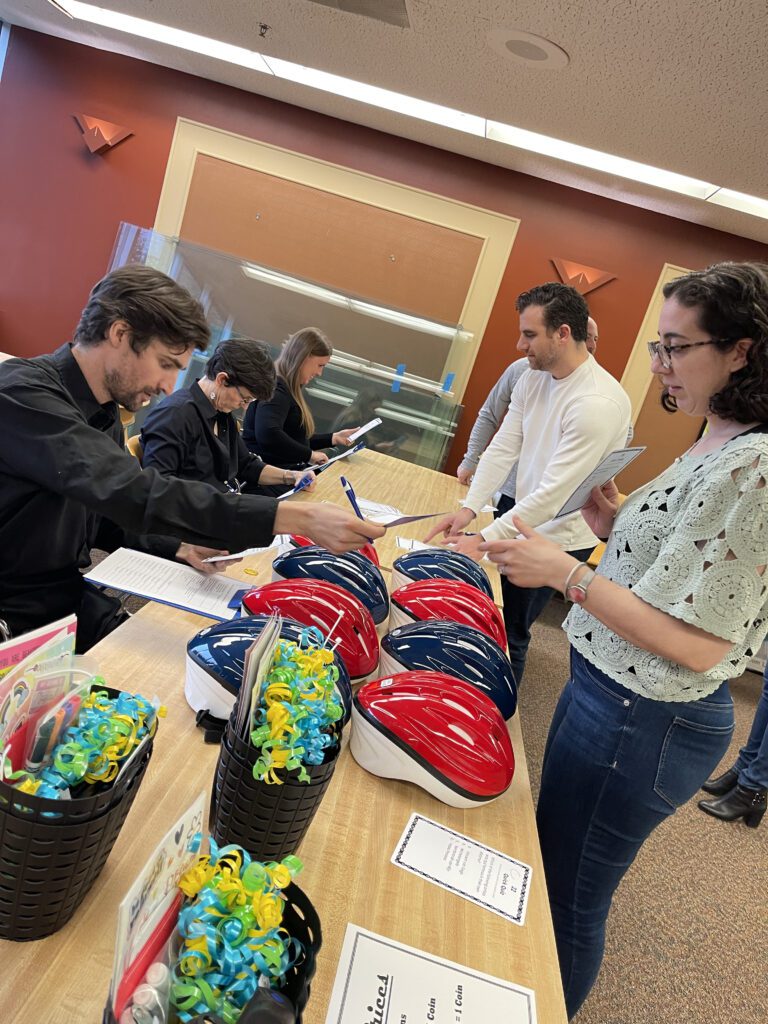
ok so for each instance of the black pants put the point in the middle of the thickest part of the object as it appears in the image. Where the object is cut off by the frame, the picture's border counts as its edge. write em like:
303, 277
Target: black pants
523, 605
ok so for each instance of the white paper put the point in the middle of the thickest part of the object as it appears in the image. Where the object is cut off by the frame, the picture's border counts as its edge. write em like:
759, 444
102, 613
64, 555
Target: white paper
280, 542
168, 582
320, 467
601, 474
380, 981
464, 866
375, 508
364, 430
412, 545
155, 888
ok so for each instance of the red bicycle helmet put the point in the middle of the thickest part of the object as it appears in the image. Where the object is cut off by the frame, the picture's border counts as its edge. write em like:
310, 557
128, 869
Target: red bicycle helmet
435, 731
450, 601
318, 603
297, 541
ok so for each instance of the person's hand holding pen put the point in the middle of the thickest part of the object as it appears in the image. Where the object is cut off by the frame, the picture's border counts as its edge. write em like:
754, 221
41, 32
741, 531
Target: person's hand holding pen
451, 526
327, 525
352, 497
304, 479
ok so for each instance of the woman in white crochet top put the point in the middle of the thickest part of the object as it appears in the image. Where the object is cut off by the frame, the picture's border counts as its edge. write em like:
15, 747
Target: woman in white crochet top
677, 607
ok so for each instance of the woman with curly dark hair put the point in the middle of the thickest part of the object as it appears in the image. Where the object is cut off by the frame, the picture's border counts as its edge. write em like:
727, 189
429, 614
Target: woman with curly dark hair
678, 605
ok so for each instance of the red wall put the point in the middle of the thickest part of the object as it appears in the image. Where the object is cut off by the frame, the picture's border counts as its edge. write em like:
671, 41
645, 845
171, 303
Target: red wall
61, 206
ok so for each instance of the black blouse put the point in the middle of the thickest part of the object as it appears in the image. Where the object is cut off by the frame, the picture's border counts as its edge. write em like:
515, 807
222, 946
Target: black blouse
274, 430
185, 436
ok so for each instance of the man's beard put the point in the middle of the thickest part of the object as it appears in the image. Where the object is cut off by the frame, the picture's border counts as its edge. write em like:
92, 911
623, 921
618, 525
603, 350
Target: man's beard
130, 400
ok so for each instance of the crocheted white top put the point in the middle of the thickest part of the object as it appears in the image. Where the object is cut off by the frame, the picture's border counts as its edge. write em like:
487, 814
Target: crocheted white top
693, 543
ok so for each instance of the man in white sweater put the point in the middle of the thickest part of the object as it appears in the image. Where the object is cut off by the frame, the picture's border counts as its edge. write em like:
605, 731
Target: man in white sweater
565, 415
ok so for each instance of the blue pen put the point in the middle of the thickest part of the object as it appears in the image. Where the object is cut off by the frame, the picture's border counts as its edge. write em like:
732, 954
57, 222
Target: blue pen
351, 495
304, 482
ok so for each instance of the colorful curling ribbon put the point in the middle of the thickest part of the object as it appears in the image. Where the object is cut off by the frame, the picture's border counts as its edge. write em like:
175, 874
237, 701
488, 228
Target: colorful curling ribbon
231, 932
107, 731
298, 709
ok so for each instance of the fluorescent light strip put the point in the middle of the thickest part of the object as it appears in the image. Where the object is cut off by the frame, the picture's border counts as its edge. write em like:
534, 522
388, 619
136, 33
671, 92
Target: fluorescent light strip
434, 113
376, 97
316, 291
165, 34
533, 142
752, 205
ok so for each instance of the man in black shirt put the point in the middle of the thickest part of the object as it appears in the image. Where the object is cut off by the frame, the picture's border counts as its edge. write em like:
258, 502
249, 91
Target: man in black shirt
67, 484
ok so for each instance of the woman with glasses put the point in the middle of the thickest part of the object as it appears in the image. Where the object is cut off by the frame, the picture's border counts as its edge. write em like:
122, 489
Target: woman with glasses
282, 429
678, 605
192, 433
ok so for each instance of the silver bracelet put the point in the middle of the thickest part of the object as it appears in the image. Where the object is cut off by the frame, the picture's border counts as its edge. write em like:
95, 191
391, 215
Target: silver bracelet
569, 577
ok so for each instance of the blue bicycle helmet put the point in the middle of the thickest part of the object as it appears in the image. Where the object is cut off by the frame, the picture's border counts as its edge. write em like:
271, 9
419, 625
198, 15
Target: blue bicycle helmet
456, 650
350, 571
439, 564
216, 659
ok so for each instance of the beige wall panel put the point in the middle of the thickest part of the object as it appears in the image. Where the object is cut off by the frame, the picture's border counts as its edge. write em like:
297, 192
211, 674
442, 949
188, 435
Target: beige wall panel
388, 257
492, 234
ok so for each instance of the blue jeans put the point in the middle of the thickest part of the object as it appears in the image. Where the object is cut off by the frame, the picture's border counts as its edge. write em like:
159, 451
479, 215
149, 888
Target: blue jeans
615, 766
752, 762
523, 605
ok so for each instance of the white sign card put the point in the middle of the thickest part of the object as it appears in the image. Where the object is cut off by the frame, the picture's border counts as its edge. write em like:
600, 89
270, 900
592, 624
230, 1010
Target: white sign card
603, 472
380, 981
464, 866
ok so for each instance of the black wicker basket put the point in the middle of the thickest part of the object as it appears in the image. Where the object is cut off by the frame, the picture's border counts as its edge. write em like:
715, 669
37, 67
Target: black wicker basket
51, 851
266, 819
301, 922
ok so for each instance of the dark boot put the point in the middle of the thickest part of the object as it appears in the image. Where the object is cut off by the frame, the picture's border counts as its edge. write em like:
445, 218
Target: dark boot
720, 784
741, 802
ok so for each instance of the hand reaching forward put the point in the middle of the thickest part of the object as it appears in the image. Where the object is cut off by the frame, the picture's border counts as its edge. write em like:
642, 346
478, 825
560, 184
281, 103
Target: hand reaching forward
329, 526
193, 555
451, 525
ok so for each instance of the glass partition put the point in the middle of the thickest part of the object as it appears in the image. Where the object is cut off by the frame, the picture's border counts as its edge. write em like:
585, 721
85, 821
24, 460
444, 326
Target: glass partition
386, 362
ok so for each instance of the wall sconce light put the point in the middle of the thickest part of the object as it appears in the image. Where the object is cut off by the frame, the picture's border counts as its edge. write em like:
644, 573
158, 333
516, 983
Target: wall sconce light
101, 135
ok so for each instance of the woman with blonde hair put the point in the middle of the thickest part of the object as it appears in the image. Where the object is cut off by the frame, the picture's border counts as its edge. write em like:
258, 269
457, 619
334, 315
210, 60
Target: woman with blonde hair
282, 429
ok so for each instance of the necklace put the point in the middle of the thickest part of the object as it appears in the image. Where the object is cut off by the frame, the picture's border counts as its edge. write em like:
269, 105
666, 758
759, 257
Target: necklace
738, 430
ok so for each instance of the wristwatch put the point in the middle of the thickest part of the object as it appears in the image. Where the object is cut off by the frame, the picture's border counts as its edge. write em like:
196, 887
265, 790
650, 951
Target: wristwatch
577, 592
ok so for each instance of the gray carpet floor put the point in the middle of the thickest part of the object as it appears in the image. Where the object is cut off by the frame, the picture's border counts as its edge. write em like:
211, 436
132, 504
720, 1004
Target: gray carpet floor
687, 937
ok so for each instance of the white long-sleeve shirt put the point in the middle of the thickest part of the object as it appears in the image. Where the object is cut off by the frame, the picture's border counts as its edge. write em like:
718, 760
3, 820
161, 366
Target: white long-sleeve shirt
556, 431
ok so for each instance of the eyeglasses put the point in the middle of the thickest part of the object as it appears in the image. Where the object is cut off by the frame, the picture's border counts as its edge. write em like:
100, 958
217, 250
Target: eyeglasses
664, 353
245, 399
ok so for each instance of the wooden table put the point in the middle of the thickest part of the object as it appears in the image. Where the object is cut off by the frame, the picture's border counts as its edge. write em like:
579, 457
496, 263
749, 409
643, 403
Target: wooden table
378, 477
348, 875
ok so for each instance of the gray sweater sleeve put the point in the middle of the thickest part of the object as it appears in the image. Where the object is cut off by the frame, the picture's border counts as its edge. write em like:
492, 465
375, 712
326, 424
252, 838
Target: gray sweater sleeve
490, 417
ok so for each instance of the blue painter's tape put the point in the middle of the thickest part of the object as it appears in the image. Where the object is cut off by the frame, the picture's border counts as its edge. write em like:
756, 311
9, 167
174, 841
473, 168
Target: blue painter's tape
399, 371
448, 382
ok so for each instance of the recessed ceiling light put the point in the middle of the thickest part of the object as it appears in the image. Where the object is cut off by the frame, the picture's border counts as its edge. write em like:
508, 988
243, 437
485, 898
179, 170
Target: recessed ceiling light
527, 48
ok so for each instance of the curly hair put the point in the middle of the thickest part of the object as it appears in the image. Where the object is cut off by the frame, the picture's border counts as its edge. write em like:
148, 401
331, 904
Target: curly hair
731, 300
247, 364
561, 303
151, 303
